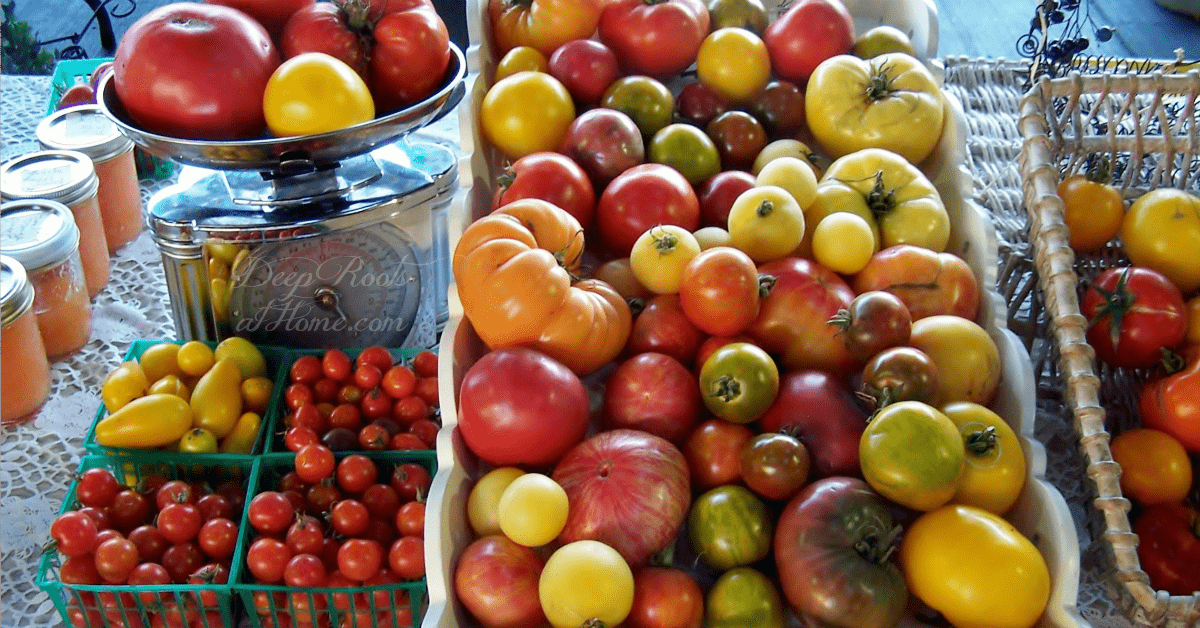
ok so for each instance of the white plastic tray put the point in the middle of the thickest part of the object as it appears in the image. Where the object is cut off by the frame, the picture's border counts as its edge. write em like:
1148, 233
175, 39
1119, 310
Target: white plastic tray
1041, 512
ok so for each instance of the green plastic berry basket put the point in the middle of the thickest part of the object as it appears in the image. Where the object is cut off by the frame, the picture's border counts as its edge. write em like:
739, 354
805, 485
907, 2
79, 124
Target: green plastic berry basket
208, 605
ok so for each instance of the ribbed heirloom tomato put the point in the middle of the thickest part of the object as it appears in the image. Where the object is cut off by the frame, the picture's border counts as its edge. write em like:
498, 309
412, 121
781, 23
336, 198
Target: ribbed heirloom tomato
542, 24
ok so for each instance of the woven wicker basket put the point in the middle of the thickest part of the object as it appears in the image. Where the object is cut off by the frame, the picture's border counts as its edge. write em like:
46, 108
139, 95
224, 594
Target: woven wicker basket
1147, 123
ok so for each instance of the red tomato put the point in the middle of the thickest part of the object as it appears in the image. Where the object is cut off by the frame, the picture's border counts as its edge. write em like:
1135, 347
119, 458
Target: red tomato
663, 326
552, 177
822, 411
586, 67
713, 453
793, 320
267, 558
664, 597
409, 57
541, 24
1133, 314
928, 282
642, 197
520, 406
167, 81
1172, 403
218, 537
718, 193
699, 104
809, 32
97, 487
604, 142
74, 532
739, 138
497, 581
322, 27
272, 14
655, 393
271, 512
406, 557
658, 39
720, 291
360, 559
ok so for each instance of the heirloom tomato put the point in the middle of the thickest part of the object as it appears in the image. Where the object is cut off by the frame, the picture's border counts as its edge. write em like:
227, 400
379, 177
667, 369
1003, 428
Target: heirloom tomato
520, 59
729, 526
1169, 547
739, 138
890, 101
780, 108
542, 24
586, 68
324, 27
484, 499
962, 585
687, 149
644, 99
659, 256
966, 357
1155, 468
497, 581
713, 453
926, 281
1134, 313
720, 291
1092, 209
532, 509
409, 58
586, 583
165, 77
525, 113
808, 32
748, 14
717, 195
793, 319
902, 199
644, 196
738, 382
874, 321
655, 38
899, 374
912, 454
655, 393
766, 223
734, 63
314, 93
663, 326
1162, 231
834, 548
743, 597
665, 597
552, 177
272, 14
995, 471
605, 142
822, 411
775, 465
843, 242
699, 104
617, 273
1171, 403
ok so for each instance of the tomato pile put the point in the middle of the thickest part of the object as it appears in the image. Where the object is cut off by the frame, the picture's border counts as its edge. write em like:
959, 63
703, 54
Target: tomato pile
367, 403
165, 530
335, 539
290, 67
734, 375
187, 397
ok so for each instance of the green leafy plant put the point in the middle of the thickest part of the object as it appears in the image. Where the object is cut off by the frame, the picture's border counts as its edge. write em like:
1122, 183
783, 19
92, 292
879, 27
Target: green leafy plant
21, 54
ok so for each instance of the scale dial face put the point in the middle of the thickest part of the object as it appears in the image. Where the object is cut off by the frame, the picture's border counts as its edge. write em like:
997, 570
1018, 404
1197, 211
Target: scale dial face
353, 288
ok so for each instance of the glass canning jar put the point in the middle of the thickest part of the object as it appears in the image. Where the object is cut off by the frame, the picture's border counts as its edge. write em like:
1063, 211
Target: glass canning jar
24, 369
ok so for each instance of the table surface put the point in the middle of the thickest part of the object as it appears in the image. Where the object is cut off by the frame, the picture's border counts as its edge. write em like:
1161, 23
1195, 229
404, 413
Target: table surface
37, 458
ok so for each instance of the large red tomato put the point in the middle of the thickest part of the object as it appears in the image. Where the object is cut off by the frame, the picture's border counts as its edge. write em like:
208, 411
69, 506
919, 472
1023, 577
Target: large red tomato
822, 411
626, 488
518, 406
655, 393
195, 71
809, 32
272, 14
409, 58
658, 38
323, 27
497, 581
644, 196
1133, 313
552, 177
793, 320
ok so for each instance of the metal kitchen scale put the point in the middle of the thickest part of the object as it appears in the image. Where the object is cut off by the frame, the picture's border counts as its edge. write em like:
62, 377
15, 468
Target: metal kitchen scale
331, 240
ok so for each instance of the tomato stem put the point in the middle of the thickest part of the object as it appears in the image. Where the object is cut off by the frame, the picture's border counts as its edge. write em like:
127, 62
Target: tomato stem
1098, 169
877, 545
766, 283
765, 208
982, 441
726, 388
1117, 303
879, 85
664, 243
880, 199
594, 622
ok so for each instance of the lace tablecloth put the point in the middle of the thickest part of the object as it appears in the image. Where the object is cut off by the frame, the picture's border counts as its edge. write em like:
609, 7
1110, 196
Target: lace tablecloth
37, 459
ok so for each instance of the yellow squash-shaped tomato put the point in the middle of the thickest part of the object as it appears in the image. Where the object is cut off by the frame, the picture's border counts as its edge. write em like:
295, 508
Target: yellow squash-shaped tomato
146, 422
514, 272
245, 432
995, 470
1161, 230
890, 101
975, 568
122, 385
217, 399
904, 202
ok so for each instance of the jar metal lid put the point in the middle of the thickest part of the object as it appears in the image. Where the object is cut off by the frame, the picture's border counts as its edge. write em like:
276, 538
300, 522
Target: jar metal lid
37, 233
86, 129
66, 176
16, 293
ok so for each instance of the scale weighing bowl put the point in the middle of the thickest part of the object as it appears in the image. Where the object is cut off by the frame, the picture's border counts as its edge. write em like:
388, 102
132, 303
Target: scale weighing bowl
270, 153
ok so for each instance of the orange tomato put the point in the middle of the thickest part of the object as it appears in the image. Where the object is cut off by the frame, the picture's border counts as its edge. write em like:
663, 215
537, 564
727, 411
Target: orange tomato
1154, 466
1093, 211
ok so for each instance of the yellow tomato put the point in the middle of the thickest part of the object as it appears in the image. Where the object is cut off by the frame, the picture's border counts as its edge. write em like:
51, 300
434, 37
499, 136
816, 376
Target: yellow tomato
659, 256
484, 499
195, 358
217, 398
521, 59
786, 147
170, 385
711, 236
1155, 468
146, 422
843, 242
313, 93
122, 385
256, 393
830, 198
159, 359
532, 510
249, 359
975, 568
245, 432
793, 174
967, 359
1093, 211
1162, 231
734, 63
766, 223
890, 101
995, 470
198, 441
586, 583
526, 113
912, 454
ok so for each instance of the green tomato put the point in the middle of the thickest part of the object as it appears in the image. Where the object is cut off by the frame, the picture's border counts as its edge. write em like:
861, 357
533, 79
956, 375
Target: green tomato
912, 454
738, 382
687, 149
743, 598
646, 100
729, 526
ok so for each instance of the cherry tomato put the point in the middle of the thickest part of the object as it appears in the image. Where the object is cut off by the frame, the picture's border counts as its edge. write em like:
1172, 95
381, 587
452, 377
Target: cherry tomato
97, 487
267, 559
306, 370
270, 512
410, 519
359, 559
399, 381
411, 481
1133, 314
425, 364
179, 522
1092, 208
314, 462
74, 532
218, 537
406, 557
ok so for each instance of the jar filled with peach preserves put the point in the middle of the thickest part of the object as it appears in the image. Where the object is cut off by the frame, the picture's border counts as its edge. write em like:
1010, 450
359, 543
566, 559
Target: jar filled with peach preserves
86, 129
43, 238
24, 369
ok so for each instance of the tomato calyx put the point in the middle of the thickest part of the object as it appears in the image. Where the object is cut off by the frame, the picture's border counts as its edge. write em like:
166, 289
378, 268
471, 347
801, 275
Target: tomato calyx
766, 283
1097, 169
879, 85
1117, 303
665, 243
726, 388
981, 442
875, 544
